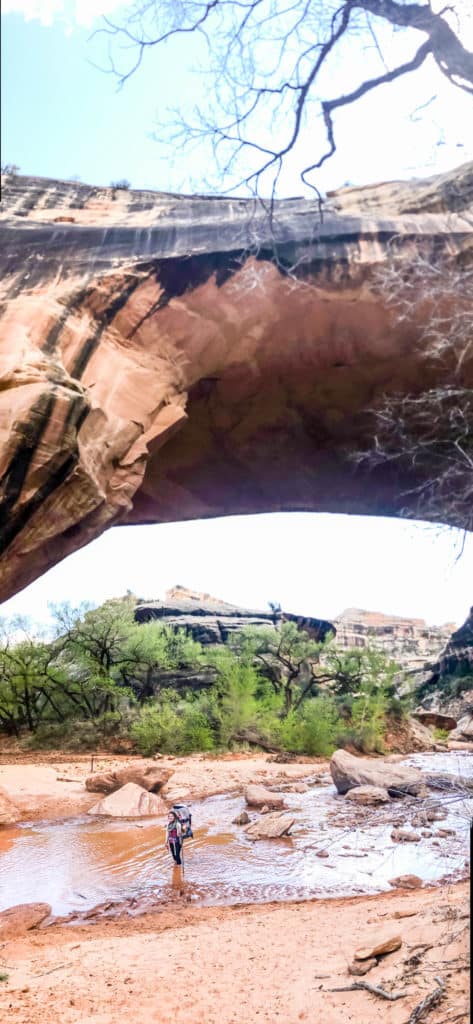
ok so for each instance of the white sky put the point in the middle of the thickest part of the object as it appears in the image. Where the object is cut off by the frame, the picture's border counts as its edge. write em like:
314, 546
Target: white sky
312, 564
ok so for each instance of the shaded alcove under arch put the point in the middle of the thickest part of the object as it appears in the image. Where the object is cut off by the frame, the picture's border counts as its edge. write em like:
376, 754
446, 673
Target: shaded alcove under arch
160, 363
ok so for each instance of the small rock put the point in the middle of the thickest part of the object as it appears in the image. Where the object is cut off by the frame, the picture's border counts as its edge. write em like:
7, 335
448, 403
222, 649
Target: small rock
401, 835
272, 826
406, 882
241, 819
362, 966
19, 919
259, 796
442, 833
379, 948
368, 795
322, 853
300, 787
265, 809
426, 833
399, 914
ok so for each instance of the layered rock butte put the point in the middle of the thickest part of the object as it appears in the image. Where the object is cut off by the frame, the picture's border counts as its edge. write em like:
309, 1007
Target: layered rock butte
160, 361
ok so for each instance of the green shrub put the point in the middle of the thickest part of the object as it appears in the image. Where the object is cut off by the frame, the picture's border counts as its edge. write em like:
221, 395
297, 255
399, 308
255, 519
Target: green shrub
173, 726
312, 729
441, 735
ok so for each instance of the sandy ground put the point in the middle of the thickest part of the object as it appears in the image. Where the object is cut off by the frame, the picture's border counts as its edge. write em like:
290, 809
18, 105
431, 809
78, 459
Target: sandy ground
51, 788
240, 965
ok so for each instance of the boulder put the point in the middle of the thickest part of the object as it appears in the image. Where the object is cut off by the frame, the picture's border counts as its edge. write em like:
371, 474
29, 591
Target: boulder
17, 920
348, 771
401, 835
271, 826
259, 796
406, 882
368, 795
419, 736
464, 729
131, 801
146, 774
9, 812
379, 948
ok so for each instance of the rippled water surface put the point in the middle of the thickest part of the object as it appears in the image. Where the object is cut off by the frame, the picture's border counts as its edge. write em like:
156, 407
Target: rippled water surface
77, 864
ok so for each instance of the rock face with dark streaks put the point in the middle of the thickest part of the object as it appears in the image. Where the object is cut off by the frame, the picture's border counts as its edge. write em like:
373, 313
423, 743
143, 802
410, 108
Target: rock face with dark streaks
447, 685
166, 358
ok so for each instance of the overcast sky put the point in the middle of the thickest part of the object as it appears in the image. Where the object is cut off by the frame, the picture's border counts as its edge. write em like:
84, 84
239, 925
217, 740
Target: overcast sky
64, 117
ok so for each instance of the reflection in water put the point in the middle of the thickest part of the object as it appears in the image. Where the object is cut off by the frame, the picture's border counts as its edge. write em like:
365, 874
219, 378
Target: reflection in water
77, 864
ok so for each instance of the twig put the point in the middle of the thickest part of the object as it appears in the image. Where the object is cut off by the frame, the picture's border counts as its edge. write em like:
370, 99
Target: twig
451, 1020
422, 1009
392, 996
52, 969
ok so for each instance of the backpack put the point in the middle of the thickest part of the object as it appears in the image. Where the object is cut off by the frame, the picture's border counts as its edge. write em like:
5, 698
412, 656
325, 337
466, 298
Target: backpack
184, 815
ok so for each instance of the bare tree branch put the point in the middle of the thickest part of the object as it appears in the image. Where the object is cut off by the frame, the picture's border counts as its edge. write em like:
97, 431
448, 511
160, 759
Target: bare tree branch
270, 61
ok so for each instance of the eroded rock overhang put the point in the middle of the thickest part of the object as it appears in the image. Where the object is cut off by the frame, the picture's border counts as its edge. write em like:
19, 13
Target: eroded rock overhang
165, 357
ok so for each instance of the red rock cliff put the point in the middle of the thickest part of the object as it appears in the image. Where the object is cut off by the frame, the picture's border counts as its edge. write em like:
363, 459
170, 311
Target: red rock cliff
158, 363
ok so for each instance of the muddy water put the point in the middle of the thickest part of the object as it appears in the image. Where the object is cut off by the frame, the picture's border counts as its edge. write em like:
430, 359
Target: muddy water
77, 864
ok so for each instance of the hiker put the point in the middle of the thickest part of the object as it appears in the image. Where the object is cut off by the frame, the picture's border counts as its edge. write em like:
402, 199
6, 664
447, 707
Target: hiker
174, 837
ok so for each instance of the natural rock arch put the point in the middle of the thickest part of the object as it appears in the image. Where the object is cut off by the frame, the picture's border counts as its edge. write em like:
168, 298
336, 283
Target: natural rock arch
161, 361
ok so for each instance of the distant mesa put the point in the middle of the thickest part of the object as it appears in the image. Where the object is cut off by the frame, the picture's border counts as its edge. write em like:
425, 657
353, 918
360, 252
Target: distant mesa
210, 620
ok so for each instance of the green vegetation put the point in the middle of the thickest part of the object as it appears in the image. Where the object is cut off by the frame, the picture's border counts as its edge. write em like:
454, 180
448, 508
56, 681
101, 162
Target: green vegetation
441, 735
102, 680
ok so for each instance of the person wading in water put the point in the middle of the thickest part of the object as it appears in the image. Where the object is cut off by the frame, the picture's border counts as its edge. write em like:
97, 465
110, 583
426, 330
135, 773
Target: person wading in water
174, 837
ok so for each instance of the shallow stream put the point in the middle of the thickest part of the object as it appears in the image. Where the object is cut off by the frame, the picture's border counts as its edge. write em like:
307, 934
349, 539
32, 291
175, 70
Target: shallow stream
79, 863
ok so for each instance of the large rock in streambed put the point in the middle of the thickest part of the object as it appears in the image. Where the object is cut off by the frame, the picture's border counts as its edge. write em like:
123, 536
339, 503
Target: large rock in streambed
146, 774
131, 801
464, 728
258, 796
348, 771
271, 826
9, 812
17, 920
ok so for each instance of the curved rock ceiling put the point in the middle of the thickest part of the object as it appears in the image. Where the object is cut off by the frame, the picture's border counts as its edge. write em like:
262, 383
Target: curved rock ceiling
165, 357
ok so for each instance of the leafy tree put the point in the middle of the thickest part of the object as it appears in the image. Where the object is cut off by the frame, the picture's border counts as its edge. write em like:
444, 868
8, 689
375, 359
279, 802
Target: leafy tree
238, 686
288, 657
271, 64
106, 644
356, 670
29, 680
152, 650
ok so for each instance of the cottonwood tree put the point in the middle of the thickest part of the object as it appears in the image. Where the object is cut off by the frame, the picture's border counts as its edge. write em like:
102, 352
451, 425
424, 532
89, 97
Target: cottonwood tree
271, 65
